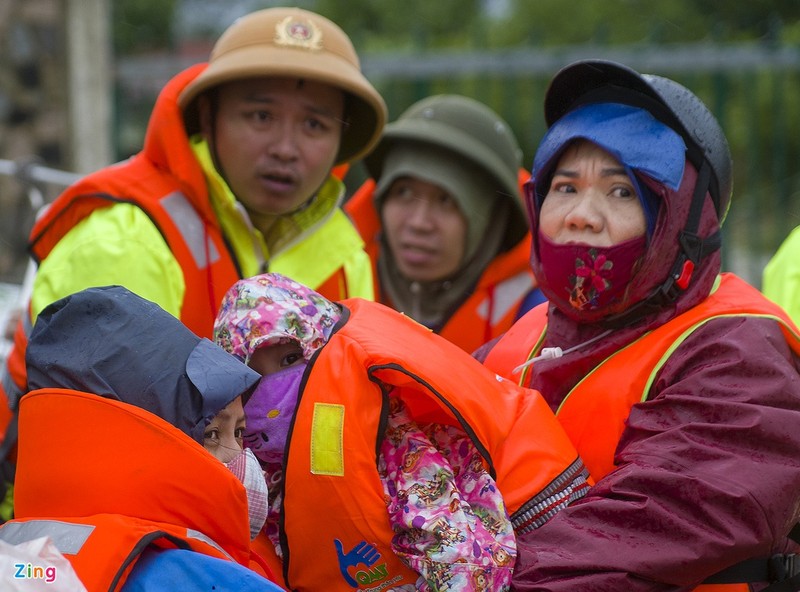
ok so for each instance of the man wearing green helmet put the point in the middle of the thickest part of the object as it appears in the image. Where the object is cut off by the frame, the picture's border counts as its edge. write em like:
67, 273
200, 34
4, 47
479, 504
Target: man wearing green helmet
443, 220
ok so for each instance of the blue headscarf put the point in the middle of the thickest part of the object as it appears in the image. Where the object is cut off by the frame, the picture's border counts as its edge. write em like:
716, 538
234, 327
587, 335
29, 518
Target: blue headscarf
640, 142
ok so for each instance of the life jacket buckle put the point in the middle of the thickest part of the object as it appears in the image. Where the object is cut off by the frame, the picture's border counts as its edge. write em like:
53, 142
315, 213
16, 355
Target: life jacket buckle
783, 566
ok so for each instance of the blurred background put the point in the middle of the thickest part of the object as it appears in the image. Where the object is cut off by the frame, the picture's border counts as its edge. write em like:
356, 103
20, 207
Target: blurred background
78, 79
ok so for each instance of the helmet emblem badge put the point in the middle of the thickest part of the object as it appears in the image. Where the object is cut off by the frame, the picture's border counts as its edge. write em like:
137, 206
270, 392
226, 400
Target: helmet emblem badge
298, 33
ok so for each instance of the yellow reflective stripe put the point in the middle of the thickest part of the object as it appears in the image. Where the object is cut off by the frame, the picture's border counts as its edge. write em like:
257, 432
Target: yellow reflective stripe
523, 377
327, 440
651, 377
663, 360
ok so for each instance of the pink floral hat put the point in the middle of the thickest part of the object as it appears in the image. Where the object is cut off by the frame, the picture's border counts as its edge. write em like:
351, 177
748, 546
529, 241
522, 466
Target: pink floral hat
272, 309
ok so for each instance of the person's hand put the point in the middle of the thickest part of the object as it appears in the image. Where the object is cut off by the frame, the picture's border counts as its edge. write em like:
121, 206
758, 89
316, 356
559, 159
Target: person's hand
363, 552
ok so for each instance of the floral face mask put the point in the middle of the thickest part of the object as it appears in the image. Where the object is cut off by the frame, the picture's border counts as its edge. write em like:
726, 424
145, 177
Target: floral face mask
587, 283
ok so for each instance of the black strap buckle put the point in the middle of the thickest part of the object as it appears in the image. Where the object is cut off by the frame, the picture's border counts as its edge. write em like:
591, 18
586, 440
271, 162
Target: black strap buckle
781, 571
783, 566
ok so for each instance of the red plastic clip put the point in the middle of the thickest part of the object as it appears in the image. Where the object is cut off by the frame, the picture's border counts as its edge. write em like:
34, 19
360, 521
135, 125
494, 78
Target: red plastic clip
686, 275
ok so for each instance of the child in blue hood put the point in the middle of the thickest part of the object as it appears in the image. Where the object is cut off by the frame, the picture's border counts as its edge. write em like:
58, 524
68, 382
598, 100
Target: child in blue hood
148, 396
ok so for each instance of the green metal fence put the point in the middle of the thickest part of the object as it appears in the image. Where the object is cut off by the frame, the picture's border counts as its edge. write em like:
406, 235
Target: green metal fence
754, 89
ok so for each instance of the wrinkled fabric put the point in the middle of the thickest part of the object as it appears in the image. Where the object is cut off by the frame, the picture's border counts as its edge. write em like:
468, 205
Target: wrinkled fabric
111, 342
707, 467
271, 309
141, 362
711, 446
452, 526
450, 521
269, 412
631, 135
708, 473
123, 470
350, 381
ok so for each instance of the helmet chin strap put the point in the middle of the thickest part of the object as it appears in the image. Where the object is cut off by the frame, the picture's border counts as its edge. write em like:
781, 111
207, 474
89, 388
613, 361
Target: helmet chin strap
693, 250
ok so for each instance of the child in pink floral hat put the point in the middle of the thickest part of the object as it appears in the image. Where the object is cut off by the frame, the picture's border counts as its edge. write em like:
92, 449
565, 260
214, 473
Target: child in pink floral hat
274, 325
449, 519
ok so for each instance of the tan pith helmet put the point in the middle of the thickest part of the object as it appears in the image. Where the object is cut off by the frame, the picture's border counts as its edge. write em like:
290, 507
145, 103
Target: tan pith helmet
301, 44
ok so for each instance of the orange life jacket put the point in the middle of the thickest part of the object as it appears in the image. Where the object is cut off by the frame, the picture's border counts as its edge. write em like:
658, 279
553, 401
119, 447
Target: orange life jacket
103, 549
595, 410
332, 490
175, 199
127, 478
262, 547
493, 305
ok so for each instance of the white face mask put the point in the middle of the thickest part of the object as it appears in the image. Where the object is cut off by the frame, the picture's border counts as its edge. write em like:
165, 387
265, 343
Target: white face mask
246, 468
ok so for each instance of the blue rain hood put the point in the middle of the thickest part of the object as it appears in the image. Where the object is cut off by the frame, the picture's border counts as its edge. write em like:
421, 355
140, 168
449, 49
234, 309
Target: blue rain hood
111, 342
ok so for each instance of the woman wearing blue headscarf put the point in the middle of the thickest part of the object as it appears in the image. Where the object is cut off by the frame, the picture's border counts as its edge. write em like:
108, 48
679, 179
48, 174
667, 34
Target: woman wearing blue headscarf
678, 385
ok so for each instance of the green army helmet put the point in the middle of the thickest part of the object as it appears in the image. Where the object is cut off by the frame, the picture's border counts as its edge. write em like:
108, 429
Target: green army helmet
470, 130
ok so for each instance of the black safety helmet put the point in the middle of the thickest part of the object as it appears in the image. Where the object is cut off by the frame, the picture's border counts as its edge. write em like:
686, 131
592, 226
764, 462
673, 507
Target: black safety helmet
594, 81
601, 81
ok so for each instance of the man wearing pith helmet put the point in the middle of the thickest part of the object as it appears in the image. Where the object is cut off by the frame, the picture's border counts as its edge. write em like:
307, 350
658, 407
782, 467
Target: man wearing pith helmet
236, 177
282, 102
